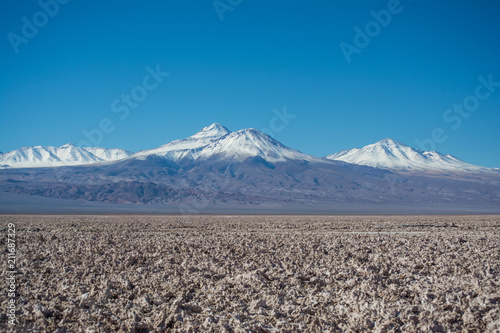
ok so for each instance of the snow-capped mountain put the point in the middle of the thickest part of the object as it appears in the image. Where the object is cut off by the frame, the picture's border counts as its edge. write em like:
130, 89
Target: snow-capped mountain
186, 148
396, 156
68, 154
251, 143
211, 132
247, 168
216, 140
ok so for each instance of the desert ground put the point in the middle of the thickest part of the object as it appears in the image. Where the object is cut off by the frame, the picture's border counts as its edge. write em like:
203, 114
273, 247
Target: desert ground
254, 273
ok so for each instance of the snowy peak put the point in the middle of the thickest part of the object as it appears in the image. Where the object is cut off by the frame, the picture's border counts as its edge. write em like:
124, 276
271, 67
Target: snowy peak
393, 155
251, 143
217, 141
108, 154
215, 130
187, 148
68, 154
390, 143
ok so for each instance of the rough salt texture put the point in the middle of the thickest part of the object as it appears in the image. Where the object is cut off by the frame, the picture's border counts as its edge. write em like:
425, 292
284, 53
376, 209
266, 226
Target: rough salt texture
256, 273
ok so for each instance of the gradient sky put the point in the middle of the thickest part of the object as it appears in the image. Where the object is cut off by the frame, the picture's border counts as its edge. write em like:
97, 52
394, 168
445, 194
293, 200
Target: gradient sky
263, 56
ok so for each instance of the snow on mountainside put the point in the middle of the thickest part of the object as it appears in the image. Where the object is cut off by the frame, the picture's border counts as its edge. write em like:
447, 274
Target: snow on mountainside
216, 140
249, 143
394, 155
68, 154
179, 149
213, 131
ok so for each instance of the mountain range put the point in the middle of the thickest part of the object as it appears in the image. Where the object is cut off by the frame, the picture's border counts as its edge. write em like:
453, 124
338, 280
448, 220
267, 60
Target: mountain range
216, 169
393, 155
68, 154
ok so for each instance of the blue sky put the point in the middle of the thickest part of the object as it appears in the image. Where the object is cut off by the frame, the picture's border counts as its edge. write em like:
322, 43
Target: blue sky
74, 73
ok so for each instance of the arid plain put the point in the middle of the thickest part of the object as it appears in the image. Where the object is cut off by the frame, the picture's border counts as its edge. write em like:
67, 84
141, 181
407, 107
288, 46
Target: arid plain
255, 273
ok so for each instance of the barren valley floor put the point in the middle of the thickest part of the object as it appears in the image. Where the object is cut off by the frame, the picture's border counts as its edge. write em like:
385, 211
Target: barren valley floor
254, 273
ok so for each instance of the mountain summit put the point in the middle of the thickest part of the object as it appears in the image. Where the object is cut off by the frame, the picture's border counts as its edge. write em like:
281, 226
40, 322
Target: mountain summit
251, 143
393, 155
213, 131
68, 154
216, 141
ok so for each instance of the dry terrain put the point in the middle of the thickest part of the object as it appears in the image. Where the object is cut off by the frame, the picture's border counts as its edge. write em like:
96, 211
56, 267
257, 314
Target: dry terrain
254, 273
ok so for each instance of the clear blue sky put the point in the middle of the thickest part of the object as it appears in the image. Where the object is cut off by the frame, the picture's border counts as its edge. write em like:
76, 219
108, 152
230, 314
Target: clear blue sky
263, 55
